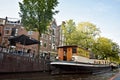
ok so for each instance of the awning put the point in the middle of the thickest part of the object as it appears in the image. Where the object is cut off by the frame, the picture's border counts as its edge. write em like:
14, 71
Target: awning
24, 40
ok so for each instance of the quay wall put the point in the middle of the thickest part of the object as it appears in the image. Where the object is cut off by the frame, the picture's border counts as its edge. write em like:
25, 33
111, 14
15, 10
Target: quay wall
17, 63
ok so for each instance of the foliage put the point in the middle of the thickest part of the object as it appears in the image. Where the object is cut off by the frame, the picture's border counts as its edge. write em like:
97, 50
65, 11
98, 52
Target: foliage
86, 34
88, 28
67, 30
83, 52
104, 48
114, 56
37, 14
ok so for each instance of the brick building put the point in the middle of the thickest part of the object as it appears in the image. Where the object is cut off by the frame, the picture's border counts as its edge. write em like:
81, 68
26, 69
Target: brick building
7, 29
2, 22
10, 27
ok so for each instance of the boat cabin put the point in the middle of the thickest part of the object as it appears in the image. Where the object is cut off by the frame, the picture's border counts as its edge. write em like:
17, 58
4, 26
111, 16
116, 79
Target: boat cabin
65, 53
75, 53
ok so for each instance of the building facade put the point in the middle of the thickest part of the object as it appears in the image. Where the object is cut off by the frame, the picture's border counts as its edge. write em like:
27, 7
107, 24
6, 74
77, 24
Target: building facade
61, 36
7, 28
2, 23
10, 27
48, 40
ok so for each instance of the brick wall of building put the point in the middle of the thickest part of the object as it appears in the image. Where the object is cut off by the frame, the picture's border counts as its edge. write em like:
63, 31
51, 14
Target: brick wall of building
49, 41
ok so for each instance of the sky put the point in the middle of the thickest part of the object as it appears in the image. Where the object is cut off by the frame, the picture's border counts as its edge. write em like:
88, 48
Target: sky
105, 14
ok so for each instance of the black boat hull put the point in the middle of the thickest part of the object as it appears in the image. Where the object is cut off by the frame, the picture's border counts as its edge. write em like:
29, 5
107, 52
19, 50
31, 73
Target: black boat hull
70, 67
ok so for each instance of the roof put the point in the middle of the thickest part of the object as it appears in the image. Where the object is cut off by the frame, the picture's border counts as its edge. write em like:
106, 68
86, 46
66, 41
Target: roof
67, 46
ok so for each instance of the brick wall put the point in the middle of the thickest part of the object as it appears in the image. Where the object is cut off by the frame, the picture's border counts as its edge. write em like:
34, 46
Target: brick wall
15, 63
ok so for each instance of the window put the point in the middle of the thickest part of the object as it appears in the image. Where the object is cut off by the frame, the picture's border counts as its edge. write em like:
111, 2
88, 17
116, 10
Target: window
13, 32
53, 32
41, 43
30, 32
7, 28
49, 37
53, 46
44, 44
41, 35
53, 39
7, 32
74, 50
2, 21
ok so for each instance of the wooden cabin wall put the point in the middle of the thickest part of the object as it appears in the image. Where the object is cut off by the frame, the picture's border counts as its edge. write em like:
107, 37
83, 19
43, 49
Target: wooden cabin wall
60, 53
69, 53
66, 53
77, 51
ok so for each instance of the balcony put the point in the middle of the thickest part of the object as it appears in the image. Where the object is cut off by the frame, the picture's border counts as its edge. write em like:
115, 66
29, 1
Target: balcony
13, 22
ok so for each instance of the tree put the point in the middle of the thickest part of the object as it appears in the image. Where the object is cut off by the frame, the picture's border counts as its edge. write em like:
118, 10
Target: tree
37, 14
82, 35
88, 28
106, 49
68, 28
102, 47
86, 33
115, 51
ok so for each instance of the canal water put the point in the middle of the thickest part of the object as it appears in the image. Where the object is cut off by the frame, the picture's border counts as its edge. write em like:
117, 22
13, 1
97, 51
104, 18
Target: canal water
47, 76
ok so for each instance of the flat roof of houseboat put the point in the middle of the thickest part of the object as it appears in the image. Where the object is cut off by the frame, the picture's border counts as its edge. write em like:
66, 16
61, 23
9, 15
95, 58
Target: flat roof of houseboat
67, 46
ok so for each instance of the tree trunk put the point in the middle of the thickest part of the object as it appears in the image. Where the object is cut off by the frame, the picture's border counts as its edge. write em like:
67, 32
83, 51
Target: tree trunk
38, 53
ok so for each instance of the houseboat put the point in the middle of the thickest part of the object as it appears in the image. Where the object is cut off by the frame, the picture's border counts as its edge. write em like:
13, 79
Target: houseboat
69, 61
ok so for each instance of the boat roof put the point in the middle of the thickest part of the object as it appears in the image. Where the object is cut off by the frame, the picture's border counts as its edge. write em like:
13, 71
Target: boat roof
67, 46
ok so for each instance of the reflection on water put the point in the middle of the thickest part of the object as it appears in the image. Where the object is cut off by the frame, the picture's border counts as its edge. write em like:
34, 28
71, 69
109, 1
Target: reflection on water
47, 76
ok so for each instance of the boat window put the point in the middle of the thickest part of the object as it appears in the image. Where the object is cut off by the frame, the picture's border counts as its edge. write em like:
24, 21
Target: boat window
74, 50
